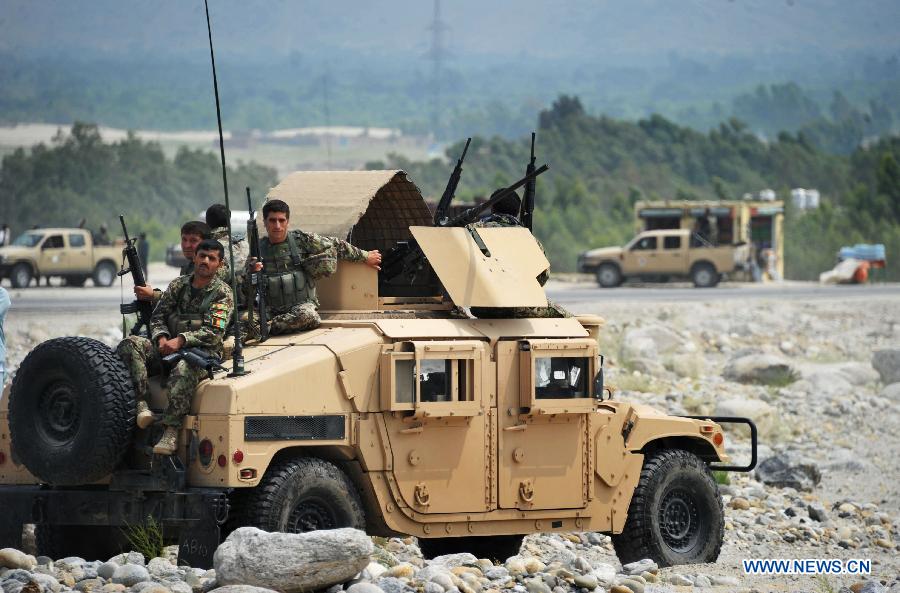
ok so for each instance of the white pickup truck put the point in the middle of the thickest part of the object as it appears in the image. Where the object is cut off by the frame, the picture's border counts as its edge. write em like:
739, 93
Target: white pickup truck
66, 253
661, 255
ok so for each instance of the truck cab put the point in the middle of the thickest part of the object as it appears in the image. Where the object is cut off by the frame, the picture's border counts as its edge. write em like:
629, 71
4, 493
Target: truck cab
58, 252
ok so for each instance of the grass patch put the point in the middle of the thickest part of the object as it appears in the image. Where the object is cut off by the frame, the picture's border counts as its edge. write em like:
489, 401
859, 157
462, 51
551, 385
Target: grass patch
146, 538
721, 478
823, 585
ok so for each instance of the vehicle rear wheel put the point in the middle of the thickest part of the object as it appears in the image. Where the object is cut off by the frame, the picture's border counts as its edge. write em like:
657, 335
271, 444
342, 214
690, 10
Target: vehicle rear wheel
71, 411
496, 547
704, 275
302, 494
104, 274
21, 276
609, 275
675, 516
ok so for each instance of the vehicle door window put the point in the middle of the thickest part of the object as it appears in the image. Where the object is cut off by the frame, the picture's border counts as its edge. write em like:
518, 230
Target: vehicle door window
561, 378
673, 242
76, 240
437, 380
645, 244
53, 242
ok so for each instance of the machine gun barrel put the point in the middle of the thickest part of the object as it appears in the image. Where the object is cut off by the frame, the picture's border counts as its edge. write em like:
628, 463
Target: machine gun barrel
471, 215
257, 282
527, 209
144, 309
440, 213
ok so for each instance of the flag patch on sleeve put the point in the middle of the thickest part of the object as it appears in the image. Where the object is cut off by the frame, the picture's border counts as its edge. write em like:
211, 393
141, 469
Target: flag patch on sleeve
218, 313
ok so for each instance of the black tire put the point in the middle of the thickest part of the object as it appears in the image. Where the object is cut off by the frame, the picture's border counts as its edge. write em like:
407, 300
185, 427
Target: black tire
71, 411
104, 274
21, 275
496, 547
609, 275
704, 275
91, 542
300, 494
77, 280
675, 516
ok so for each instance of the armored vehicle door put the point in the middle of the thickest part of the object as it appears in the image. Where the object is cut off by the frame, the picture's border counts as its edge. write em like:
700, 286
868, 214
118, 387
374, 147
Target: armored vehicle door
439, 423
640, 255
672, 258
545, 407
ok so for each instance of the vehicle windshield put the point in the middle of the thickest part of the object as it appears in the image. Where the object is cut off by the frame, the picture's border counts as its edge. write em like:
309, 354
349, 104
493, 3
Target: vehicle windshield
28, 239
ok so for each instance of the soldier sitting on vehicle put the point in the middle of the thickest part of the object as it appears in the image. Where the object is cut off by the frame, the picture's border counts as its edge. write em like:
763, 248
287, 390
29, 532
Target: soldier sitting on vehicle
193, 312
505, 214
292, 261
192, 234
217, 217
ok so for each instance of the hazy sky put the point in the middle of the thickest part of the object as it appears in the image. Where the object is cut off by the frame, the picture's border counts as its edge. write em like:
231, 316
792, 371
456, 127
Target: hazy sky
585, 29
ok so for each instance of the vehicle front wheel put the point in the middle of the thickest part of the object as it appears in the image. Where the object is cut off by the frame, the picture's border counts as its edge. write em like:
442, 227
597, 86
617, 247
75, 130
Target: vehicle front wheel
676, 515
704, 275
302, 494
104, 274
609, 275
21, 276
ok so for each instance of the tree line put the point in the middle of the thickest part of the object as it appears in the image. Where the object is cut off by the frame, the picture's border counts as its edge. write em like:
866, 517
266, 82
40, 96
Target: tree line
78, 176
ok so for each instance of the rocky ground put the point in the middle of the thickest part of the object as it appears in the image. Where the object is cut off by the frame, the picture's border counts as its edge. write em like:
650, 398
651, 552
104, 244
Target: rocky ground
828, 485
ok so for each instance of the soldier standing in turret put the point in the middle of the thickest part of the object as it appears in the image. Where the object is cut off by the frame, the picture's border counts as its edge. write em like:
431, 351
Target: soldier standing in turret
292, 261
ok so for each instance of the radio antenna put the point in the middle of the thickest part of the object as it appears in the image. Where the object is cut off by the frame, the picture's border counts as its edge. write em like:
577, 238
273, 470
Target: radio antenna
237, 353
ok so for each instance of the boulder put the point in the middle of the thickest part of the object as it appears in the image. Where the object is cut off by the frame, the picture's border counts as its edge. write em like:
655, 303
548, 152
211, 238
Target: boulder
686, 365
241, 589
891, 392
762, 414
651, 342
887, 363
763, 369
786, 471
13, 558
290, 562
130, 575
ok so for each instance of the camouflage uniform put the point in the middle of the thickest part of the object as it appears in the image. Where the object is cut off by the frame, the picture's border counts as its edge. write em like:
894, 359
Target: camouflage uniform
552, 310
290, 271
240, 248
201, 320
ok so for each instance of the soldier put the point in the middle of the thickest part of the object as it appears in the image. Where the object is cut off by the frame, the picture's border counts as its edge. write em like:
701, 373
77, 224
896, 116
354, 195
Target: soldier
292, 261
217, 217
192, 234
505, 214
193, 313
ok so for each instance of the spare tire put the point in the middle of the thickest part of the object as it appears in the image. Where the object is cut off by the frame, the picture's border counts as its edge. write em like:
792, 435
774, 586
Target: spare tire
71, 411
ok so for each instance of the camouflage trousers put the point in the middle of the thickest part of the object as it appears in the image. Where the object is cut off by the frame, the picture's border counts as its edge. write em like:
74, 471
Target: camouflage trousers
144, 361
551, 311
293, 319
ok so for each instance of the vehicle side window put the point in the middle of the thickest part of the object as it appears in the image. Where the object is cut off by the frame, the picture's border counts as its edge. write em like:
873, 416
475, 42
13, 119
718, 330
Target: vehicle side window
645, 244
76, 240
672, 242
439, 380
53, 242
561, 377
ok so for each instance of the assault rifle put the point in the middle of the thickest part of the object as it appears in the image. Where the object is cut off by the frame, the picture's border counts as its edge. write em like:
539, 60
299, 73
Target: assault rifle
257, 284
144, 309
440, 213
196, 358
527, 209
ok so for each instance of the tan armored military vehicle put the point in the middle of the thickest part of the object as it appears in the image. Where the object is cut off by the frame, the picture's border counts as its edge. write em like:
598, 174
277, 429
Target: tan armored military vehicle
66, 253
661, 255
394, 416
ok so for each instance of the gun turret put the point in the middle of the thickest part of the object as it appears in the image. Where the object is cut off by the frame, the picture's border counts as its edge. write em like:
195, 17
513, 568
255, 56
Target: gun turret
471, 215
144, 309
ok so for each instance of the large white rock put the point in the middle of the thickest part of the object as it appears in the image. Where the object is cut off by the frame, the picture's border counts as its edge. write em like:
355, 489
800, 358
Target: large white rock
891, 392
290, 562
759, 368
13, 558
762, 414
651, 342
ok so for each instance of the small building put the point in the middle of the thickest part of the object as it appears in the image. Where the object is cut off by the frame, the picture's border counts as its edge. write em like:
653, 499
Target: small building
760, 223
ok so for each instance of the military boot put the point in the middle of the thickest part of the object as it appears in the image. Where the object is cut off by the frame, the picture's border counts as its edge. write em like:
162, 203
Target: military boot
144, 415
168, 442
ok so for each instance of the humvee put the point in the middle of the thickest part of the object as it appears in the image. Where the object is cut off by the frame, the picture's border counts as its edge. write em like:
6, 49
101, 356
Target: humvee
395, 416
